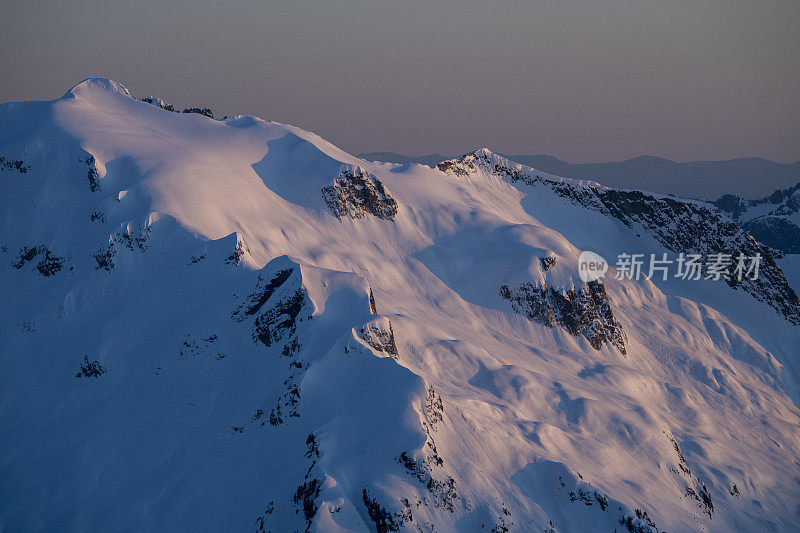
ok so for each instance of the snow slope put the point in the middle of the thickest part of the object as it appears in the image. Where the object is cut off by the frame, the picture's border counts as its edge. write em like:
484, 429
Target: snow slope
234, 325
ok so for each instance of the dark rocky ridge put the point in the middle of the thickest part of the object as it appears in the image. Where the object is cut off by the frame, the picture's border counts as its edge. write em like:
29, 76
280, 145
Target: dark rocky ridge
205, 111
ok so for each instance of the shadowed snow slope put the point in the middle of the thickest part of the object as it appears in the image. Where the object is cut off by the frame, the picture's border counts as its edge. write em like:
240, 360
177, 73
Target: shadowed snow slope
234, 325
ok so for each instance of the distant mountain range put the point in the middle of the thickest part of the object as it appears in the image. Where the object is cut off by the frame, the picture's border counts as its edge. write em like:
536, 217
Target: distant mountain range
749, 177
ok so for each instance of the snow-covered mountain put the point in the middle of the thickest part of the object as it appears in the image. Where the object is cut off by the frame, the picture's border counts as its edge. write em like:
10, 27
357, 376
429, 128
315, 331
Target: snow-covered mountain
234, 325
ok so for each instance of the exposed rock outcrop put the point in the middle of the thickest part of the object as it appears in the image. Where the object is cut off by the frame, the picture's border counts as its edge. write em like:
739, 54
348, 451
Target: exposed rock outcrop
17, 165
48, 263
205, 111
356, 193
275, 306
92, 174
380, 335
585, 312
158, 102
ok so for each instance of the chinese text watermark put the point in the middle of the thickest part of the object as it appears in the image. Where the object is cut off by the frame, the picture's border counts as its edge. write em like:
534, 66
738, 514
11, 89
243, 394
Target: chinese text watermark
715, 266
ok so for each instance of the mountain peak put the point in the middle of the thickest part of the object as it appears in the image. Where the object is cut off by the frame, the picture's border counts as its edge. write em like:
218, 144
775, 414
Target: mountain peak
105, 84
483, 151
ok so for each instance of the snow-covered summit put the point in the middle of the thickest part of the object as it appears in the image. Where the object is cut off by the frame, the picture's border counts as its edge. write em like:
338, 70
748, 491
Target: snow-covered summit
234, 324
90, 85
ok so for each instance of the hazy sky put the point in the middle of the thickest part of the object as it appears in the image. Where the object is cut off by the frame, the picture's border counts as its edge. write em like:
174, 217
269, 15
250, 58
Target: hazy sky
583, 80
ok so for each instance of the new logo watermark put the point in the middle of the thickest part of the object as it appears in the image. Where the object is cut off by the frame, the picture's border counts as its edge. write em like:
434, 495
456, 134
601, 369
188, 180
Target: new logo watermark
715, 266
591, 266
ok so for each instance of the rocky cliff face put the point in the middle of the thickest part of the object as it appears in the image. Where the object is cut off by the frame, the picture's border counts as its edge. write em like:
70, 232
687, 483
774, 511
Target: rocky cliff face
584, 311
275, 307
355, 193
780, 234
773, 219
